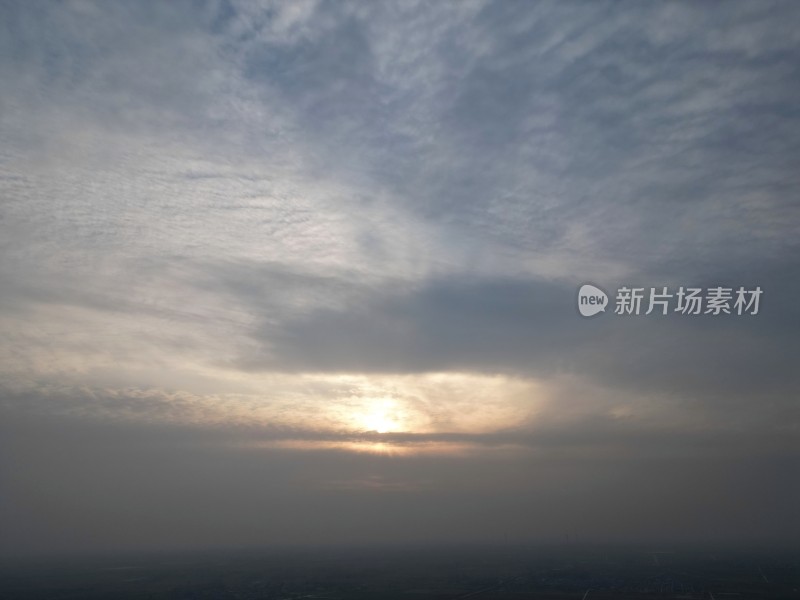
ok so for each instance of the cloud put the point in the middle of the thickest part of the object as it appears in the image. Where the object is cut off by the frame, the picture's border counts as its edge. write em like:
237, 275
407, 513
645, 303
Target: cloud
248, 222
531, 328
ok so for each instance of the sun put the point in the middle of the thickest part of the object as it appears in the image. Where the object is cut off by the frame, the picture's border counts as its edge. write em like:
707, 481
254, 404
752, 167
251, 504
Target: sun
380, 418
378, 423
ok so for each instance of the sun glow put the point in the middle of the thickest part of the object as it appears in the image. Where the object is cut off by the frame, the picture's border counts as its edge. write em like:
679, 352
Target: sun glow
381, 417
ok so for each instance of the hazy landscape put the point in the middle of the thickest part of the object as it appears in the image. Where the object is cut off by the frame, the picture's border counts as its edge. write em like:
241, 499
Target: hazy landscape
418, 573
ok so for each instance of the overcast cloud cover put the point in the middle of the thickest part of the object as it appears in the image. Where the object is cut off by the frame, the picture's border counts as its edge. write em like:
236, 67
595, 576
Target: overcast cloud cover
305, 272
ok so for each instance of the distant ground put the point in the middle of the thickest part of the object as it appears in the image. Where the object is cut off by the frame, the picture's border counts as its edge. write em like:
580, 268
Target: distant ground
415, 574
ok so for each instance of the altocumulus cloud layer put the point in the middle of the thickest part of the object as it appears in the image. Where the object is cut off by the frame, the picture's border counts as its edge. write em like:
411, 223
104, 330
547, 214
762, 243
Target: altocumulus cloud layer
305, 272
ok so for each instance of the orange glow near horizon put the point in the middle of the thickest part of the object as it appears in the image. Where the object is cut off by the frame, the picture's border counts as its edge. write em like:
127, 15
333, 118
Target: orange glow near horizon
383, 448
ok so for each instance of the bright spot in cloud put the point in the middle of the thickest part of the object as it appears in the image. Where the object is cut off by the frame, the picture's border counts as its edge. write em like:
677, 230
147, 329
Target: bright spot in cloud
381, 417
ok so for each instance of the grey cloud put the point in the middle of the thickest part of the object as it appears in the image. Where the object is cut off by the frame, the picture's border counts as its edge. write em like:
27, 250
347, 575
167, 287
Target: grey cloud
532, 328
610, 126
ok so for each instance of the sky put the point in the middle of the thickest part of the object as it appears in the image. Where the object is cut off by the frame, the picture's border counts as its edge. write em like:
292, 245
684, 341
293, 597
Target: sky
297, 273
